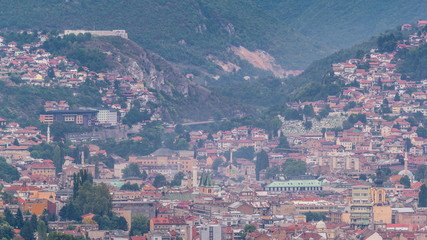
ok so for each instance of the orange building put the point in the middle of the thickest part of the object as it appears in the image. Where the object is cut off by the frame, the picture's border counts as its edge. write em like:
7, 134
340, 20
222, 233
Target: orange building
37, 206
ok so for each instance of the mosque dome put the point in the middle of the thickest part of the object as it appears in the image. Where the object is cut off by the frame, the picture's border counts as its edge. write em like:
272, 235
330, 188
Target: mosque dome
320, 225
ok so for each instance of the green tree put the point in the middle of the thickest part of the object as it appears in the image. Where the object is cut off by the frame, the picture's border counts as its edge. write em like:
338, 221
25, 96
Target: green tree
6, 232
177, 179
283, 142
315, 216
9, 217
57, 158
422, 196
160, 181
261, 162
421, 132
62, 236
272, 172
19, 219
132, 170
27, 231
8, 172
216, 163
294, 167
41, 230
79, 179
396, 97
405, 181
245, 152
144, 175
94, 199
70, 212
420, 173
308, 111
140, 225
387, 42
247, 229
130, 187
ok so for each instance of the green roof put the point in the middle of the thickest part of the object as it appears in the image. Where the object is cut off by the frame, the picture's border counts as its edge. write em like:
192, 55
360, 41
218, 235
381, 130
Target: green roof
295, 183
117, 184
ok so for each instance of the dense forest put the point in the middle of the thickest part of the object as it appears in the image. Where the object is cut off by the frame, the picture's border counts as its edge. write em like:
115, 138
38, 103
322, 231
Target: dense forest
294, 32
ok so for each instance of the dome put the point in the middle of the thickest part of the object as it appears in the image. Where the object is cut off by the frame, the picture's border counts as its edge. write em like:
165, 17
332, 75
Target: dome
409, 173
320, 225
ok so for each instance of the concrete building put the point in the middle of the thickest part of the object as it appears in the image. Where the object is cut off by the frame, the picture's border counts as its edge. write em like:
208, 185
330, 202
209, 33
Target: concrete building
210, 232
361, 206
107, 117
102, 33
294, 186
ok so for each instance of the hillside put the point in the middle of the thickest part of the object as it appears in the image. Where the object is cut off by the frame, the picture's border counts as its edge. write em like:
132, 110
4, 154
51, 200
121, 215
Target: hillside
186, 32
179, 97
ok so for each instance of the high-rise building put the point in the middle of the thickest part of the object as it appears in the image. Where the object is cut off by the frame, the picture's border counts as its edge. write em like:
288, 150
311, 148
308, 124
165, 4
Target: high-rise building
210, 232
361, 206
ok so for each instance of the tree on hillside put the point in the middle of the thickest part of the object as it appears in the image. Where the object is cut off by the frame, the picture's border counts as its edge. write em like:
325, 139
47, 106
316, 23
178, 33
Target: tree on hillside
405, 181
308, 111
79, 179
41, 230
387, 43
422, 196
247, 229
420, 173
132, 170
421, 132
27, 231
144, 175
130, 187
261, 162
294, 167
216, 163
8, 172
58, 159
315, 216
94, 199
160, 181
140, 225
283, 142
62, 236
244, 152
177, 179
9, 218
19, 219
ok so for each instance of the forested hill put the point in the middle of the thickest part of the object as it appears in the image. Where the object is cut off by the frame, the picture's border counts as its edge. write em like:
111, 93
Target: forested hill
294, 32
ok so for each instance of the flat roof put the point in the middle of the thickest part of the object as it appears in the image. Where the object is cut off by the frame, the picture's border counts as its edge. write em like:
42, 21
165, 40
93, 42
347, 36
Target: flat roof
77, 111
296, 183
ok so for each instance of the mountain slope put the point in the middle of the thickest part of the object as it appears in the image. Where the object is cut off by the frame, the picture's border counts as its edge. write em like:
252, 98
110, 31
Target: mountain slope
186, 32
179, 97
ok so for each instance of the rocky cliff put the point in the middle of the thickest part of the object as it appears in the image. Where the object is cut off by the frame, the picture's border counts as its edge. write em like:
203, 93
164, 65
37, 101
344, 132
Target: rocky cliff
180, 98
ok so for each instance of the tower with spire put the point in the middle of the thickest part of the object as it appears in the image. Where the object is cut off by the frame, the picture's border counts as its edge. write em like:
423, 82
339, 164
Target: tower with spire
48, 134
206, 185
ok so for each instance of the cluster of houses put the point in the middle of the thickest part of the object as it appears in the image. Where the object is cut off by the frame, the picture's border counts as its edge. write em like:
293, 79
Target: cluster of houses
220, 196
33, 65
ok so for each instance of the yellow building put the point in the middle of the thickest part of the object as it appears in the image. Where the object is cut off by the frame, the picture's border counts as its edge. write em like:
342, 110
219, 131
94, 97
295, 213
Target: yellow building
45, 168
166, 157
361, 206
378, 195
382, 214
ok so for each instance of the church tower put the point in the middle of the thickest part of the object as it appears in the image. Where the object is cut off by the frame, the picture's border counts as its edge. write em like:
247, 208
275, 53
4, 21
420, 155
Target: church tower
206, 185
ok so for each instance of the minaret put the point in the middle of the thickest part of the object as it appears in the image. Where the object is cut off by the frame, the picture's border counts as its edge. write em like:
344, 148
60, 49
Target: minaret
83, 157
406, 164
48, 134
194, 177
